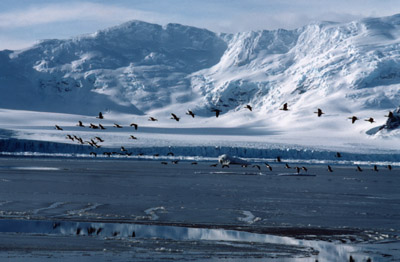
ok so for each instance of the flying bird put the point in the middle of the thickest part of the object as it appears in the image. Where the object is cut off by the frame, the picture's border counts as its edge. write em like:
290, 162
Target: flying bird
100, 116
92, 126
152, 119
278, 159
117, 126
175, 117
371, 120
330, 168
58, 128
376, 168
338, 155
134, 125
70, 137
132, 137
101, 127
319, 112
297, 169
389, 167
287, 166
123, 149
359, 169
268, 166
304, 168
217, 111
257, 166
80, 124
353, 119
190, 113
285, 107
93, 154
390, 114
249, 107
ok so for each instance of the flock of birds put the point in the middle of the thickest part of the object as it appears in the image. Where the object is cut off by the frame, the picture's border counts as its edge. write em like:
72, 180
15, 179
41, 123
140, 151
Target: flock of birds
94, 142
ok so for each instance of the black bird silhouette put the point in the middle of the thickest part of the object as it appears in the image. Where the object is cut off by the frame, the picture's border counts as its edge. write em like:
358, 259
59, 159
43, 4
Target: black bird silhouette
164, 163
285, 107
93, 154
278, 159
330, 168
70, 137
175, 117
297, 169
287, 166
98, 138
58, 128
376, 168
257, 166
134, 125
338, 154
390, 114
371, 120
132, 137
101, 126
152, 119
353, 119
107, 154
304, 168
319, 112
249, 107
389, 167
100, 116
117, 126
123, 149
92, 126
359, 169
190, 113
217, 111
268, 166
80, 124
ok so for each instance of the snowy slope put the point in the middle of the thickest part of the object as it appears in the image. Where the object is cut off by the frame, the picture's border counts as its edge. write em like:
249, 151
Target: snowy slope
137, 70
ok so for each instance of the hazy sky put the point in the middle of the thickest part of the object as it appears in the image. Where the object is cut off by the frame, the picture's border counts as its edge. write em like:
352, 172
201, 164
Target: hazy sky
22, 22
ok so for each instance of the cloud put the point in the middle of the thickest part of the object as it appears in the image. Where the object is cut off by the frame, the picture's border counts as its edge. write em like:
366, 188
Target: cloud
71, 12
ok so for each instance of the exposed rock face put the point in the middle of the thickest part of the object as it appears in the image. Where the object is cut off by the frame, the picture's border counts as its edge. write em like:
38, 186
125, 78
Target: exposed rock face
393, 121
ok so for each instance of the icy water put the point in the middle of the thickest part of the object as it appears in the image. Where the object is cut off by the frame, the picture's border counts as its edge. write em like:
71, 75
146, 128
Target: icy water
123, 210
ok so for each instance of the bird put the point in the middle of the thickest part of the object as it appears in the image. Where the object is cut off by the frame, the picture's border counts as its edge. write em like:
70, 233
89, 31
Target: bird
338, 155
123, 149
164, 163
117, 126
278, 159
175, 162
92, 126
58, 128
175, 117
257, 166
268, 166
371, 120
107, 154
134, 125
359, 169
101, 127
217, 112
353, 119
190, 113
98, 138
99, 230
249, 107
285, 107
304, 168
319, 112
80, 124
389, 167
152, 119
376, 168
330, 168
100, 116
93, 154
287, 166
132, 137
390, 114
297, 169
70, 137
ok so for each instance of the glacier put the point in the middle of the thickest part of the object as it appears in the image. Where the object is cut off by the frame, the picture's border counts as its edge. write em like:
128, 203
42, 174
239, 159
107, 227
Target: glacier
138, 69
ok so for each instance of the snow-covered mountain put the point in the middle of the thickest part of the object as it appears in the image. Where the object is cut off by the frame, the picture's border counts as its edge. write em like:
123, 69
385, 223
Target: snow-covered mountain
142, 69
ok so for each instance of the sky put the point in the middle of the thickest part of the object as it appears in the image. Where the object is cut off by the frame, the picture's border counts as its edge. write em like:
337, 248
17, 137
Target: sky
24, 22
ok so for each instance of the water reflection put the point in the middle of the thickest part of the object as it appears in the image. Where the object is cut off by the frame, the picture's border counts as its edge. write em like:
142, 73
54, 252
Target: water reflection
325, 251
